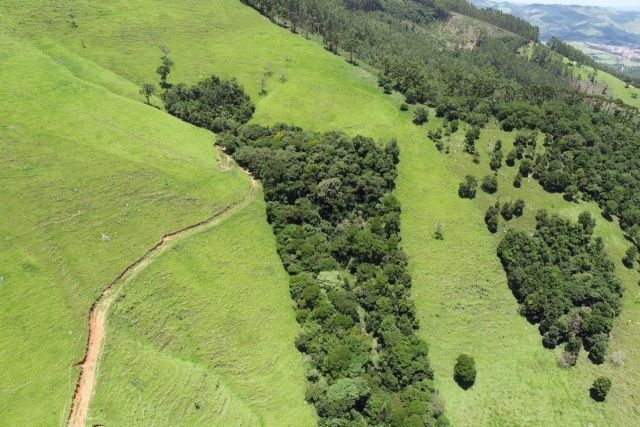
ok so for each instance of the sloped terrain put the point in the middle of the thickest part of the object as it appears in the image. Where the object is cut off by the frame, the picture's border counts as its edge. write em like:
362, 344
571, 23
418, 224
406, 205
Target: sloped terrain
459, 287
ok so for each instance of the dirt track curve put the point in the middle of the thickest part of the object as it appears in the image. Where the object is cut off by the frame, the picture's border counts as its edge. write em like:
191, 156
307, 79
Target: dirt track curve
98, 312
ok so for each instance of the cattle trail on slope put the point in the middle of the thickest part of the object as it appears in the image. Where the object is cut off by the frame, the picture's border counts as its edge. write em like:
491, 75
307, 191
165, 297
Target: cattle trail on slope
98, 312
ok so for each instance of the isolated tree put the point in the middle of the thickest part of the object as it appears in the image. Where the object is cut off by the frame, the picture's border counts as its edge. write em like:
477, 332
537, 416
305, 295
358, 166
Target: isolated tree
600, 389
420, 116
148, 90
464, 372
164, 68
467, 188
511, 158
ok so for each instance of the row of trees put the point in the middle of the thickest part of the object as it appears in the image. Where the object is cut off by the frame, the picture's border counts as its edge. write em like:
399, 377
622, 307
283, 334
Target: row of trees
337, 226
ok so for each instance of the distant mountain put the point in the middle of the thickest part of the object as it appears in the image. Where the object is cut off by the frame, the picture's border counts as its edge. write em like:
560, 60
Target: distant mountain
587, 24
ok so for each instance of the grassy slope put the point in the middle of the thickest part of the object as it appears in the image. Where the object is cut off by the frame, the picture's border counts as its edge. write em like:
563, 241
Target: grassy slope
79, 161
615, 88
460, 289
204, 335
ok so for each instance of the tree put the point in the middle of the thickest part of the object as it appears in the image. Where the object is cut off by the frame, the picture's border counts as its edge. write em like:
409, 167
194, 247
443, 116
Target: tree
473, 133
517, 181
600, 389
420, 116
147, 90
630, 256
518, 207
507, 211
464, 372
164, 68
491, 218
526, 166
490, 184
511, 158
467, 188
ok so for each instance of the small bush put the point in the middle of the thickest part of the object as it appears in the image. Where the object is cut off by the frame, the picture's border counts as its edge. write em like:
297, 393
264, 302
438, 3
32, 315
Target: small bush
600, 389
464, 372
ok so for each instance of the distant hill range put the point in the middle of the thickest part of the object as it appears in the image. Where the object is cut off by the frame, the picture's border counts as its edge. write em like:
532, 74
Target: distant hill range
610, 36
576, 23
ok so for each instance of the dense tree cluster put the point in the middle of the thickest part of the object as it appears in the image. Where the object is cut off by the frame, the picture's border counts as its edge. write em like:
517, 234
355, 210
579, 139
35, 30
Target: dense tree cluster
564, 281
213, 103
337, 225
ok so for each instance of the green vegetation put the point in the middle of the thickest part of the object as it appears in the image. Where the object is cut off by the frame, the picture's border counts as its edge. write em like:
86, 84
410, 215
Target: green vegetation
214, 104
95, 180
465, 371
469, 286
330, 206
563, 281
468, 188
600, 389
187, 338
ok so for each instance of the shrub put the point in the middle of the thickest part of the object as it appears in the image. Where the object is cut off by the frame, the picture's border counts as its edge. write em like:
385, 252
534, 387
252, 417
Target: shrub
438, 233
467, 188
600, 389
464, 372
404, 106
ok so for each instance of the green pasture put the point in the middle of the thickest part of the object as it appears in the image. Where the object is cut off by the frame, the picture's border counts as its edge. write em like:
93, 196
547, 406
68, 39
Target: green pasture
460, 289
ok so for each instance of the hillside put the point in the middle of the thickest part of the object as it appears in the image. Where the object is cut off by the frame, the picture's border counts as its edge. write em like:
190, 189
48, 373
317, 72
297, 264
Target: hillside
205, 333
609, 36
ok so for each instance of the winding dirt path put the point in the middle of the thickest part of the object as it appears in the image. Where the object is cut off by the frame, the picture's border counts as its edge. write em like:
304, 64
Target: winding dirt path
98, 312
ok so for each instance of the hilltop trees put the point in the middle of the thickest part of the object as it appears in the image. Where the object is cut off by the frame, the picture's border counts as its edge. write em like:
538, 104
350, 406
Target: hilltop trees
563, 281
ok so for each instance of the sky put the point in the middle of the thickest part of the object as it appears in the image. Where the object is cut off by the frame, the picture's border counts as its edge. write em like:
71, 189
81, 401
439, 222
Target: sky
635, 4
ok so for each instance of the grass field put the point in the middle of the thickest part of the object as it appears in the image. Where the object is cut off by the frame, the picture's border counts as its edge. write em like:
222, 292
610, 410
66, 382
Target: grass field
204, 335
459, 287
